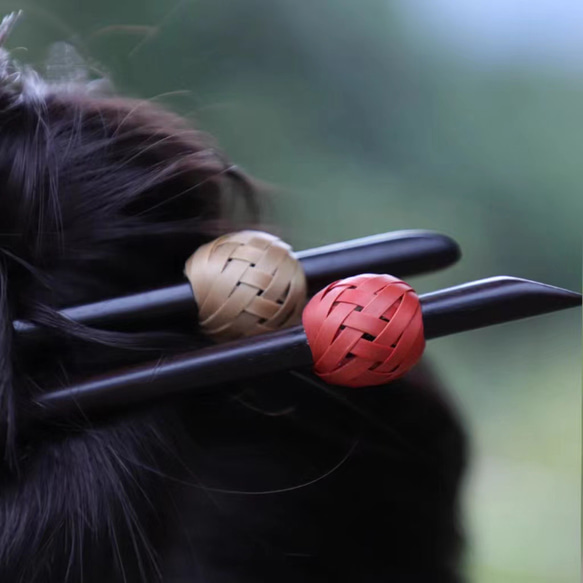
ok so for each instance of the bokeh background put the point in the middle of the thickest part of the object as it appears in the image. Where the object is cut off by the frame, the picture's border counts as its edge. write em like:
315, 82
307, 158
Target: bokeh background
462, 116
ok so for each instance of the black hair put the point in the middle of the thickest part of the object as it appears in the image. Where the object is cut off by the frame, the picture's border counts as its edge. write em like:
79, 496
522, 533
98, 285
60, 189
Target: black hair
283, 479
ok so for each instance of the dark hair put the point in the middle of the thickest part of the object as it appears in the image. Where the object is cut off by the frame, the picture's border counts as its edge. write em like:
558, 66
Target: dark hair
283, 479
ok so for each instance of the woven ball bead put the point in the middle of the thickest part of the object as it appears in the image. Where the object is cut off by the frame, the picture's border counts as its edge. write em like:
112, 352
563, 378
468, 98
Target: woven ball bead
246, 283
364, 330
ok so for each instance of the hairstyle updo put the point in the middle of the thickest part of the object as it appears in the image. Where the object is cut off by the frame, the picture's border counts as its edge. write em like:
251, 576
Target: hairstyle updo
282, 479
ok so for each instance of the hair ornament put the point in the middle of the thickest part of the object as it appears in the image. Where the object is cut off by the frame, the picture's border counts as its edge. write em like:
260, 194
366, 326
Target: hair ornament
246, 283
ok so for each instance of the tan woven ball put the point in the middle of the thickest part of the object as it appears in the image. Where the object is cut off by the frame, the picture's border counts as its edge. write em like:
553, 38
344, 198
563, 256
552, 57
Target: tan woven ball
246, 283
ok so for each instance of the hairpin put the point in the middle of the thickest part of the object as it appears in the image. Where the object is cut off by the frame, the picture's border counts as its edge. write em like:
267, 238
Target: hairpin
229, 276
404, 318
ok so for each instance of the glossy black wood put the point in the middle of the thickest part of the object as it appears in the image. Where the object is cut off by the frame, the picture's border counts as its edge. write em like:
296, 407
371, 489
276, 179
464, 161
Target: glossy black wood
400, 253
491, 301
465, 307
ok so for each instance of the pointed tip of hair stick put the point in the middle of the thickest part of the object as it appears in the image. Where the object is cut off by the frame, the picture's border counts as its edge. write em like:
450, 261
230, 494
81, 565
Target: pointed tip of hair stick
495, 300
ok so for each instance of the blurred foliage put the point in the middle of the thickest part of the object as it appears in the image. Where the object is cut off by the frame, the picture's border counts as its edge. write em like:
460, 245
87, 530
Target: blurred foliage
364, 125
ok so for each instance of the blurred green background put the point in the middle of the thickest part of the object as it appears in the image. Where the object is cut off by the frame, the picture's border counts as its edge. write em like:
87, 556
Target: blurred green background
462, 116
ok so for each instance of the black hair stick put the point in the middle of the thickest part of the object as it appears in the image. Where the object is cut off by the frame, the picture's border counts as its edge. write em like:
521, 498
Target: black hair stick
465, 307
400, 253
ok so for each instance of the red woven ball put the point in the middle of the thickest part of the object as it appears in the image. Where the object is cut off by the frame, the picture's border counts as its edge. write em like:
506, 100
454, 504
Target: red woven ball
364, 330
